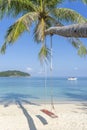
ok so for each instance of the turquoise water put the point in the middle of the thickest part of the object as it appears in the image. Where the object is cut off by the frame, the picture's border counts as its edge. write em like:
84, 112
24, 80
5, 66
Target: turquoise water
34, 89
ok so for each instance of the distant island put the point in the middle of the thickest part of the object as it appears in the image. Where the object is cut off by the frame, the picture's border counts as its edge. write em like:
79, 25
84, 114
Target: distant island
13, 73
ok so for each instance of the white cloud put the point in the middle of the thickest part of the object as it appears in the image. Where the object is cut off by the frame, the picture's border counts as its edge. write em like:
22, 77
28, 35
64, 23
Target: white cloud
29, 69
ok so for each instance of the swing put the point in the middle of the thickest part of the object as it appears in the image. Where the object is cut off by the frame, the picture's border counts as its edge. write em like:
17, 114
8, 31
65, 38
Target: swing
47, 112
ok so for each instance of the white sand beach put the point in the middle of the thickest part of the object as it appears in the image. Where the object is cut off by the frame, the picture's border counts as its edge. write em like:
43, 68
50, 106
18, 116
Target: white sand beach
71, 116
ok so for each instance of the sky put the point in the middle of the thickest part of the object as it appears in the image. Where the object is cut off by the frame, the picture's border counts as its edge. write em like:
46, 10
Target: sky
23, 54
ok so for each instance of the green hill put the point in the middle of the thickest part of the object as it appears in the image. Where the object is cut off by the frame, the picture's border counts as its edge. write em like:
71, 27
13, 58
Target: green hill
13, 73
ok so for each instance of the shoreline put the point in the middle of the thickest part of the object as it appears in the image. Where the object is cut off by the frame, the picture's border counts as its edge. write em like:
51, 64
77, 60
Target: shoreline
45, 101
42, 102
71, 116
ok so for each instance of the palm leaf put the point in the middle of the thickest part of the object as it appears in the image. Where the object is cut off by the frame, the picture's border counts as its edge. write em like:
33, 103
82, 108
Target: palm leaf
84, 1
68, 15
82, 50
50, 21
18, 28
76, 43
3, 48
50, 4
15, 7
44, 54
39, 32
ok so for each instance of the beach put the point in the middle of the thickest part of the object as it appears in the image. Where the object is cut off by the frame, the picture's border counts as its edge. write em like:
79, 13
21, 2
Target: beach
71, 116
22, 99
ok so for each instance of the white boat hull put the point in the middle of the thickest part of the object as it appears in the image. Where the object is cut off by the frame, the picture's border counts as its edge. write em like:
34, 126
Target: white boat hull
72, 78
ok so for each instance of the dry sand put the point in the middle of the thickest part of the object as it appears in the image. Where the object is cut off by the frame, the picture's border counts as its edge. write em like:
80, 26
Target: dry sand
71, 116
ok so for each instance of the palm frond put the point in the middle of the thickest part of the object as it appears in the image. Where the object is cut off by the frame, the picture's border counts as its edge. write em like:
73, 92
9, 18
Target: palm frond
68, 15
50, 21
44, 54
76, 43
39, 32
84, 1
3, 48
15, 7
50, 4
82, 50
21, 25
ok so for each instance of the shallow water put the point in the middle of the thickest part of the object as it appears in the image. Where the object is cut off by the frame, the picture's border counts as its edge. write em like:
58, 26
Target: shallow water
38, 89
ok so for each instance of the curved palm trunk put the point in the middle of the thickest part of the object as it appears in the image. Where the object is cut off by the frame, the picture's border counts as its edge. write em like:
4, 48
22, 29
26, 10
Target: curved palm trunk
74, 30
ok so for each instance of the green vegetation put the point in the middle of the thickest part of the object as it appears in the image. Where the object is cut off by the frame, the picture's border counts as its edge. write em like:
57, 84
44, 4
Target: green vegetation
13, 73
41, 14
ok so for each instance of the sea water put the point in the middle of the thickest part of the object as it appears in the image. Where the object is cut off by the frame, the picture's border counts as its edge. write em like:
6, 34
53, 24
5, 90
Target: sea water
13, 89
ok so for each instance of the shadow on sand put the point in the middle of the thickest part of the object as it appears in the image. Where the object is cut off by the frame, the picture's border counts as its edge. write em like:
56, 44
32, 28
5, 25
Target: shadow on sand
13, 98
19, 100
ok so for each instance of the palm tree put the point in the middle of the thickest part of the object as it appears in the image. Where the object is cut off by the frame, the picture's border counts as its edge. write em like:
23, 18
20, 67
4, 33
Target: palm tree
42, 14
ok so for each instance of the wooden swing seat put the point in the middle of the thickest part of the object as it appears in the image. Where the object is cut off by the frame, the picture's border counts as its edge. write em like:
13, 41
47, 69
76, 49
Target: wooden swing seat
51, 114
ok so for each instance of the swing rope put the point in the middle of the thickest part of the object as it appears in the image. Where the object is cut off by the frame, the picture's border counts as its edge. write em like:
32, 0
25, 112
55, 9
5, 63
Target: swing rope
45, 83
45, 76
49, 113
51, 68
